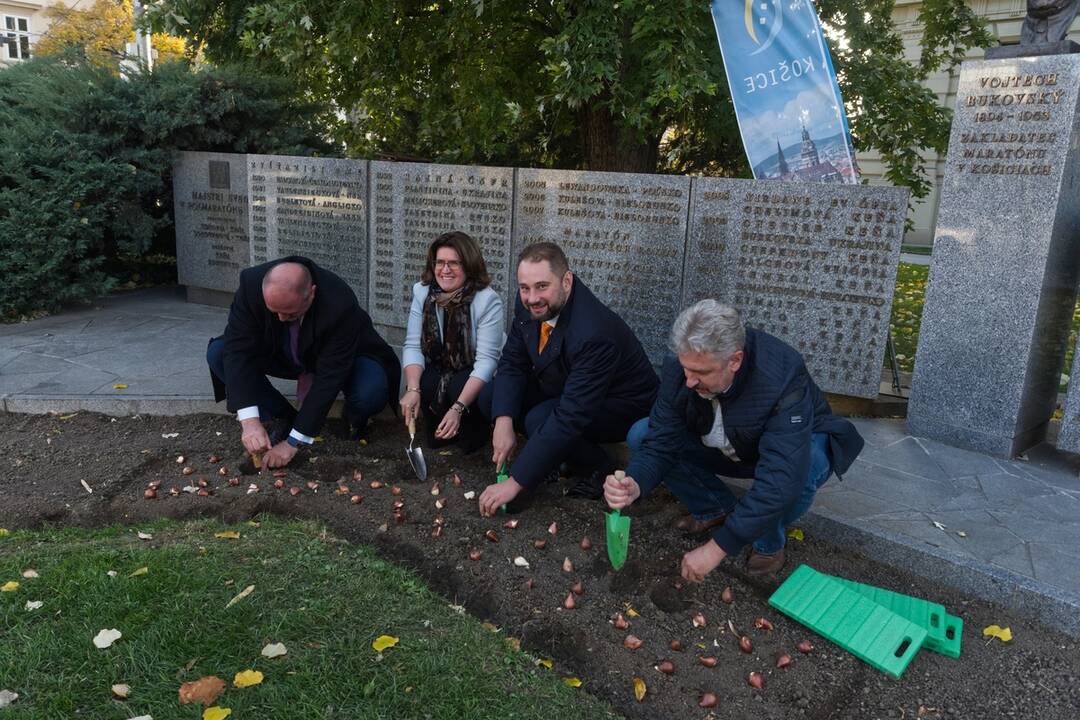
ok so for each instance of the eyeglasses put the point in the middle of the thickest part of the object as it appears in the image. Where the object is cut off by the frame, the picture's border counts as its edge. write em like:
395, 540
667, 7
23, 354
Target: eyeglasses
448, 264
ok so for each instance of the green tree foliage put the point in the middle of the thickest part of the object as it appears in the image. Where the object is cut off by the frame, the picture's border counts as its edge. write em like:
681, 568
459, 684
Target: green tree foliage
85, 173
632, 85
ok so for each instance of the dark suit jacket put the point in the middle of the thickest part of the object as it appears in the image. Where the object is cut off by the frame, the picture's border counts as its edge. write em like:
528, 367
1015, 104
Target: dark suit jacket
770, 411
334, 332
592, 359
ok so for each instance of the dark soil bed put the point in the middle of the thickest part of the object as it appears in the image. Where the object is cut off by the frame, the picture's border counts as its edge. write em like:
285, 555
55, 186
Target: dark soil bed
43, 459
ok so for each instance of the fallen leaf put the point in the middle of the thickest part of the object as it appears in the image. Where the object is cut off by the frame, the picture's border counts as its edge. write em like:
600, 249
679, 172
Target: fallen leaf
383, 642
489, 627
228, 535
247, 678
106, 638
514, 643
10, 586
546, 663
240, 596
30, 574
7, 697
631, 611
204, 691
121, 690
994, 631
119, 386
254, 523
4, 532
69, 416
33, 604
141, 571
170, 436
639, 689
145, 536
572, 682
796, 534
274, 650
216, 713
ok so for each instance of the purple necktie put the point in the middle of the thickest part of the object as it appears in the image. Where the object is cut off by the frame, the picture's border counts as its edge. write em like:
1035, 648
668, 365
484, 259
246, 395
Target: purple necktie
303, 383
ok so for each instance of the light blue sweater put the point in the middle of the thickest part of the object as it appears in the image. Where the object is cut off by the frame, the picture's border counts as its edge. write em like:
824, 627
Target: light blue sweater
488, 330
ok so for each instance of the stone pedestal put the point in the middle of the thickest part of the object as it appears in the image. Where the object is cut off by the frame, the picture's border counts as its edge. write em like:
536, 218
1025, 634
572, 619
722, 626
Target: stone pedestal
1006, 250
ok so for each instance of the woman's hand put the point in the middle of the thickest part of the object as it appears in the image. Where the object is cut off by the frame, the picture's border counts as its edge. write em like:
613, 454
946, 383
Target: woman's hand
450, 425
410, 405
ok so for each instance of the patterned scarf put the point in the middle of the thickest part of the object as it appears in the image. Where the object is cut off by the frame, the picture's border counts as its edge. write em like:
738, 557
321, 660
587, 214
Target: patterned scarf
455, 350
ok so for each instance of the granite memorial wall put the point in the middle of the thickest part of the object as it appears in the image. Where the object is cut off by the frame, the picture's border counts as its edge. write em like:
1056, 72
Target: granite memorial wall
813, 264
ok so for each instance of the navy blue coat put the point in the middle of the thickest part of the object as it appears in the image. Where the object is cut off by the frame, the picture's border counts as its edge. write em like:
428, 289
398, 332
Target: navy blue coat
592, 360
769, 412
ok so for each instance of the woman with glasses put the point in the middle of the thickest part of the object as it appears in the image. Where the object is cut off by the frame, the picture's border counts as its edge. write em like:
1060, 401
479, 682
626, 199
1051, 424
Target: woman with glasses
452, 342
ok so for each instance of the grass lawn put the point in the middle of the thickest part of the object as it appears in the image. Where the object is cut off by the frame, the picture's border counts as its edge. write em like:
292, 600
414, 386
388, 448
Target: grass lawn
325, 600
907, 315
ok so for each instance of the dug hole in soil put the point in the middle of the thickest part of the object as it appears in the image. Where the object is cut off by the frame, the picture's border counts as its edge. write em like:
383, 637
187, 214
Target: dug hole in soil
43, 459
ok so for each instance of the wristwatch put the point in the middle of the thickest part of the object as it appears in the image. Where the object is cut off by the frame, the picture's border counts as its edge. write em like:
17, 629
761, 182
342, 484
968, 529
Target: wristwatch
460, 407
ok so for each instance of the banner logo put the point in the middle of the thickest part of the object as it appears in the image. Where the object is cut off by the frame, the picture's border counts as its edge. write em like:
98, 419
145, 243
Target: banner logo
757, 13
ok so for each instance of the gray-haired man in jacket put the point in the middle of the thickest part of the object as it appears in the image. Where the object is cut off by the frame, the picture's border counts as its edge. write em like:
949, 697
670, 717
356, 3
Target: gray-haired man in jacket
735, 402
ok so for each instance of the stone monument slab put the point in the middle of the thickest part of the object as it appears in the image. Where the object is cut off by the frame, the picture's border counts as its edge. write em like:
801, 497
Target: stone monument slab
210, 201
1005, 265
315, 207
412, 204
624, 234
812, 263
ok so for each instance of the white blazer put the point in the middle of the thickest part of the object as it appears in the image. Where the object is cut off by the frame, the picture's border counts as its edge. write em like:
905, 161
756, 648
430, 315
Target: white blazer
488, 330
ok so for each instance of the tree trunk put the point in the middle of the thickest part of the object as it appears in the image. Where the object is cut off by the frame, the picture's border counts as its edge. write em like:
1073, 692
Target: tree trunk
607, 146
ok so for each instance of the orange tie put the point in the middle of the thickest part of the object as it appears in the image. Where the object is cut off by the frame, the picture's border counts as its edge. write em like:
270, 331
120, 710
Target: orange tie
545, 333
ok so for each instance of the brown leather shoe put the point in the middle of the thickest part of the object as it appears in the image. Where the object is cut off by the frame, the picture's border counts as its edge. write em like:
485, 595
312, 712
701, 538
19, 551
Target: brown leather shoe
760, 564
689, 525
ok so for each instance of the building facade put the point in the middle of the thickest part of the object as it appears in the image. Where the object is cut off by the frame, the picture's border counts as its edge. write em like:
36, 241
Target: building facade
1005, 18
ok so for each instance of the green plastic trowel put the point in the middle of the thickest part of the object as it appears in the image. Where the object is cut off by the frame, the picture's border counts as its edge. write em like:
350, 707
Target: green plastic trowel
501, 477
618, 533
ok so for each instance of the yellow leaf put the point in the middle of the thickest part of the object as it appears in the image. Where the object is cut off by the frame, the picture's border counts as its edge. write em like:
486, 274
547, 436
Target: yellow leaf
247, 678
4, 532
994, 631
216, 713
140, 571
120, 386
228, 535
547, 663
572, 682
9, 586
384, 641
489, 627
630, 611
796, 534
253, 523
319, 439
639, 689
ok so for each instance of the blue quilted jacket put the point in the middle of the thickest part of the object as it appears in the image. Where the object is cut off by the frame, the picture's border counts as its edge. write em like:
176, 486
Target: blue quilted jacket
769, 412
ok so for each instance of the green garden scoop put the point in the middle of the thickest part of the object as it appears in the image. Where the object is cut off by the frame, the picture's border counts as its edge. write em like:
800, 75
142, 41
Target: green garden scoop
501, 477
618, 533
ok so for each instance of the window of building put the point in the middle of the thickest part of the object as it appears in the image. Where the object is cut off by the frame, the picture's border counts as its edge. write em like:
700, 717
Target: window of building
16, 37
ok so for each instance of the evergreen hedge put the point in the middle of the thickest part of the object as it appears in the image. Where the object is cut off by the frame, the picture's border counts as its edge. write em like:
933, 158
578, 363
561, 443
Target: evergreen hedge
85, 163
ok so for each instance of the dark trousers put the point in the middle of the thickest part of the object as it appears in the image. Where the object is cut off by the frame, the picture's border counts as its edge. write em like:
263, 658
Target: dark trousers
366, 389
474, 430
583, 454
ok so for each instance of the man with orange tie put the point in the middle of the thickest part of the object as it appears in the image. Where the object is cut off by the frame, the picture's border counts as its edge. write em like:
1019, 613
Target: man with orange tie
572, 375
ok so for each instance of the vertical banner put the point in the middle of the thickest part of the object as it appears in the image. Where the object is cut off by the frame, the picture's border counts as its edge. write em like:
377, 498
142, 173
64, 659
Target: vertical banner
787, 101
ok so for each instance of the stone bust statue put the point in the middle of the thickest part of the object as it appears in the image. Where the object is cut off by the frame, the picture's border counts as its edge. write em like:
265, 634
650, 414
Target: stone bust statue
1047, 21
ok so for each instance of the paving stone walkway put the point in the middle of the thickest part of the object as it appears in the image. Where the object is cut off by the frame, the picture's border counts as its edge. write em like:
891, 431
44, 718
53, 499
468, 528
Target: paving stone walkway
1008, 530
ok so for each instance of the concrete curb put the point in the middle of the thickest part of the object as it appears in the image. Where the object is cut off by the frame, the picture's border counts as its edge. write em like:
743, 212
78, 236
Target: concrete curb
1052, 606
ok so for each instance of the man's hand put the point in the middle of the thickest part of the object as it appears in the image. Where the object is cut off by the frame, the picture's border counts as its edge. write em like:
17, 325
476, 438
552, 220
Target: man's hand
280, 455
449, 426
254, 436
701, 561
497, 495
503, 440
620, 490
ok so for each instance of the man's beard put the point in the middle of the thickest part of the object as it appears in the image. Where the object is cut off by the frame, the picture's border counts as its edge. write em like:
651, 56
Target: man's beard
553, 309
